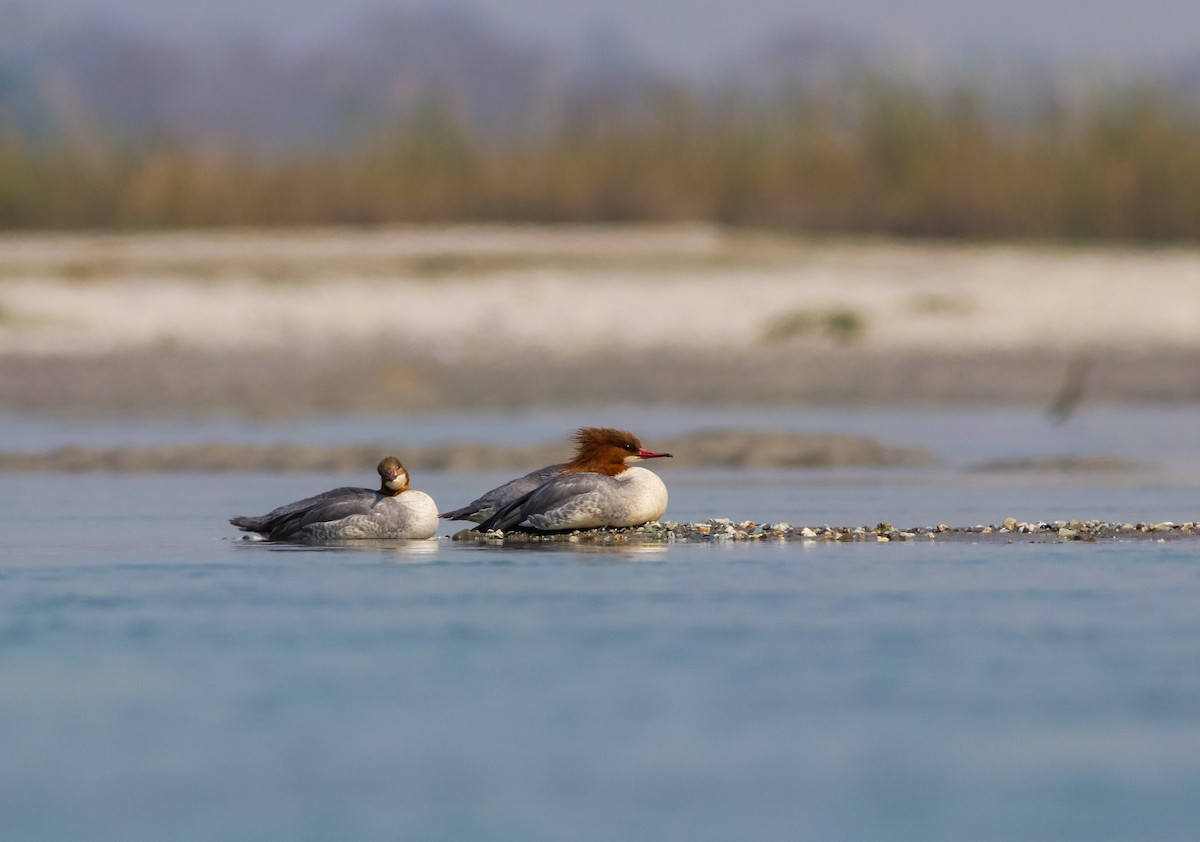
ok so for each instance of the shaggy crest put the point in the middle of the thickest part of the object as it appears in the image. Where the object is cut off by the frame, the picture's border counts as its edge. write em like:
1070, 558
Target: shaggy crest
596, 437
603, 450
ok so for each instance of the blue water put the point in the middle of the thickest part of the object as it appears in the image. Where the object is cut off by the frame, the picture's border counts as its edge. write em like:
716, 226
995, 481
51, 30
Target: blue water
162, 680
1157, 434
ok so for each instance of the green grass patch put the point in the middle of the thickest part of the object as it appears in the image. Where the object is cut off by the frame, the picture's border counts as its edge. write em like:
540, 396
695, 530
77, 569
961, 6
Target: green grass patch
841, 325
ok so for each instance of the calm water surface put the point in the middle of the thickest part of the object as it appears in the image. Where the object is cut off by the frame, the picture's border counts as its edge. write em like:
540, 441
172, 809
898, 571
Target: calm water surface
160, 679
1157, 434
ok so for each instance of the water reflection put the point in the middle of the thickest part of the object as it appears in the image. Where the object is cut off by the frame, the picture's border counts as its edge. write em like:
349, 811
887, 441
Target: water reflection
396, 546
595, 551
444, 549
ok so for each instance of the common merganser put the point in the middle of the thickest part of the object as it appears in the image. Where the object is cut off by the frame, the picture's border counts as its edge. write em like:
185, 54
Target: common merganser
598, 487
394, 511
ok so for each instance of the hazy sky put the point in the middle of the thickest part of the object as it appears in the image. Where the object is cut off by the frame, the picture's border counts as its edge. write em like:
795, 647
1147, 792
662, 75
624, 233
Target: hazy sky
692, 35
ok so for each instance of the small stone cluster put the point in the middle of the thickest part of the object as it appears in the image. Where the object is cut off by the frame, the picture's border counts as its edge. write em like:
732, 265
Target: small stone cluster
724, 529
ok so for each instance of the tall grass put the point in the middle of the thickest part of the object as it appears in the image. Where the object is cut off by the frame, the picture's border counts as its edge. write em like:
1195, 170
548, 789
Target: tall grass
890, 159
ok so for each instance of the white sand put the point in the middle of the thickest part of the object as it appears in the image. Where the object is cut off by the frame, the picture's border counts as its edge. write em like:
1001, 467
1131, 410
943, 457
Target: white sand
571, 291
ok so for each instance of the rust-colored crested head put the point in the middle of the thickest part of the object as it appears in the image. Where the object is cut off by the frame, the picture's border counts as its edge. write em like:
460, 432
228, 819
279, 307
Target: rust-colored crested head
393, 476
603, 450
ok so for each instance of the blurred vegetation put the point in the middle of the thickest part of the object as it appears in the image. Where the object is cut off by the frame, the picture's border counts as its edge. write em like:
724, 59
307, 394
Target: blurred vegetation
892, 158
840, 325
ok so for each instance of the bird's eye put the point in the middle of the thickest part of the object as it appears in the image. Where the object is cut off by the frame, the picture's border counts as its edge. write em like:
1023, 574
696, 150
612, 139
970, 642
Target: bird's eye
631, 448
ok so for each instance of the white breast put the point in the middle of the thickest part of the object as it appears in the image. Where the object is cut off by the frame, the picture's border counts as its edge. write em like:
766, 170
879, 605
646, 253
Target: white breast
420, 515
588, 500
640, 498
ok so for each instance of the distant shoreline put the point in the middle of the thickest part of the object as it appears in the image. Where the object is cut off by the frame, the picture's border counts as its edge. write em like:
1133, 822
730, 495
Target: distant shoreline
167, 383
273, 323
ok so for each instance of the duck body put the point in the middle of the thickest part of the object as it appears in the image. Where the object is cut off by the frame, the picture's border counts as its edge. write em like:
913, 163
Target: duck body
394, 511
598, 487
347, 513
586, 501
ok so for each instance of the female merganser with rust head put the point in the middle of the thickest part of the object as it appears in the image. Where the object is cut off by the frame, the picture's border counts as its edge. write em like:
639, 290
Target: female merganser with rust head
394, 511
598, 487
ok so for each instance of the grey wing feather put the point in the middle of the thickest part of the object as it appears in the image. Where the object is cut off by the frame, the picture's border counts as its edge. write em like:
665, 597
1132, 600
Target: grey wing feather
327, 506
552, 494
487, 505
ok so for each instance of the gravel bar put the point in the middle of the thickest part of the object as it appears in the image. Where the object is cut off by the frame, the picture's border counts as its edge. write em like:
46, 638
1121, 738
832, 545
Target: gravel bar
724, 529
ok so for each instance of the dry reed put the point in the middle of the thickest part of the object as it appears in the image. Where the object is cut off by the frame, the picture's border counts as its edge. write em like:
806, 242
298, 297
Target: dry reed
893, 159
